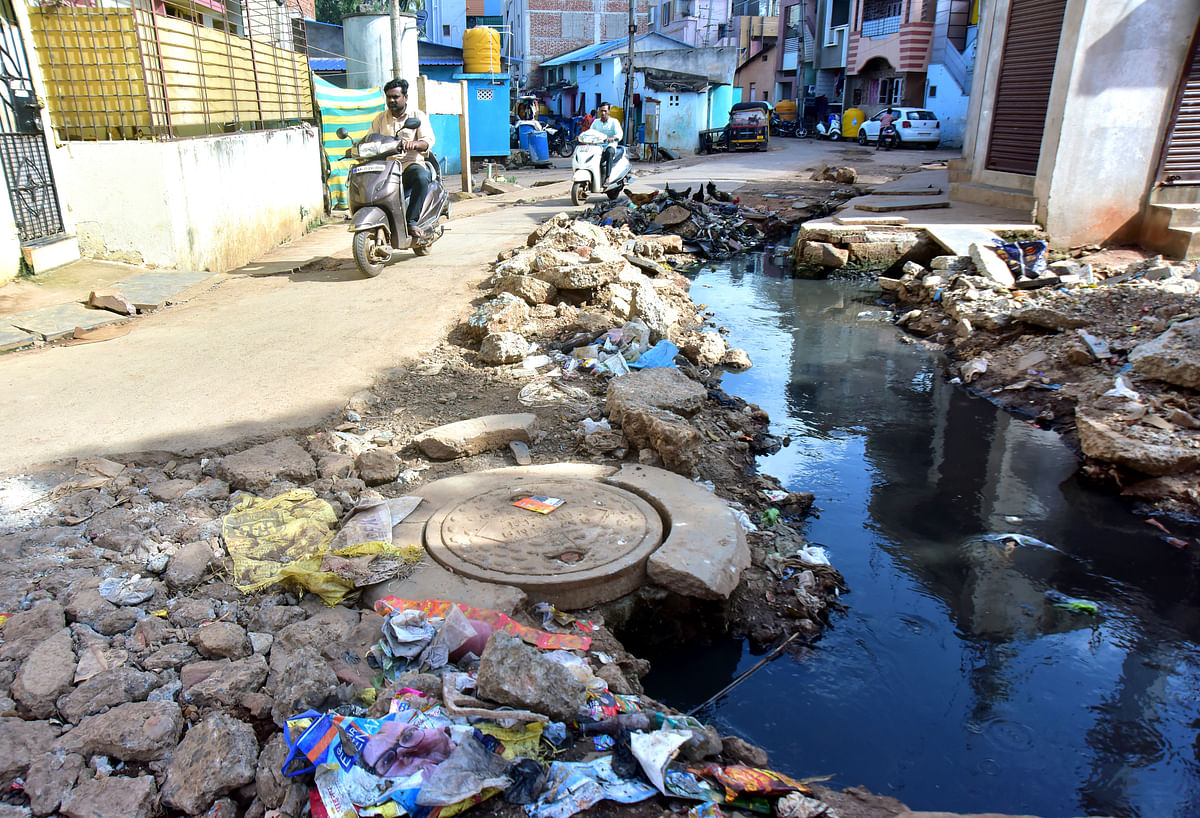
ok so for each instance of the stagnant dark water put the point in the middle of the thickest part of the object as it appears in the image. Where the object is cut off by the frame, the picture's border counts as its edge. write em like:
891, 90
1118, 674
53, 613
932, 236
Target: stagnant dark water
951, 682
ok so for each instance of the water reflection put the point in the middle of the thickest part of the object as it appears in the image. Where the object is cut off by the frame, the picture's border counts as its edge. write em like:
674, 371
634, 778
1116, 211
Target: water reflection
953, 682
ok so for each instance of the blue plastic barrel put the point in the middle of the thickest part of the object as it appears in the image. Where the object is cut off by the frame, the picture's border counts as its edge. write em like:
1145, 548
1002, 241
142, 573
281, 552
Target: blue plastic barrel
523, 132
539, 146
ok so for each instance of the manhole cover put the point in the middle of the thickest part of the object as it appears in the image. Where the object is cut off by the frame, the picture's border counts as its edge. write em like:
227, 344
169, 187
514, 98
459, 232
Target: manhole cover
590, 549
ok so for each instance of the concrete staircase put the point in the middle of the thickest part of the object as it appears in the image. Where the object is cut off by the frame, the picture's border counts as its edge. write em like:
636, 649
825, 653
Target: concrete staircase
1172, 229
962, 189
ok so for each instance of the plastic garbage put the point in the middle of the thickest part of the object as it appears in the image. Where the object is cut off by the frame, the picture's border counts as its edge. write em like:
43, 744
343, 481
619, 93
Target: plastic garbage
1012, 540
499, 621
572, 787
126, 591
1070, 603
1122, 389
661, 354
655, 750
1024, 258
399, 748
768, 517
470, 770
529, 781
590, 426
636, 338
739, 780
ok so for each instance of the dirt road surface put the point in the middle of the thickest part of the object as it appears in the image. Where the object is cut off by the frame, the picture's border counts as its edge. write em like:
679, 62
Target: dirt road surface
255, 356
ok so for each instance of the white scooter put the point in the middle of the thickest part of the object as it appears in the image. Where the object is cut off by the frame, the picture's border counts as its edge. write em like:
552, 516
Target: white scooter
830, 129
585, 168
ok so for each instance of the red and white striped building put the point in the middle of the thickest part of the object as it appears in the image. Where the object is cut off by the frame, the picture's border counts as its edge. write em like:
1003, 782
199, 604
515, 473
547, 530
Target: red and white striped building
887, 54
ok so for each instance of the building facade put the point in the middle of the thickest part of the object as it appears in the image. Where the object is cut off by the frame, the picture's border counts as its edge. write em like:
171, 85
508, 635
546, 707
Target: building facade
887, 53
1084, 113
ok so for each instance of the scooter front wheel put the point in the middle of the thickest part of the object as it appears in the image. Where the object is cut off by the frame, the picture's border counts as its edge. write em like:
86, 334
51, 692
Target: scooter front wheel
579, 192
566, 149
365, 245
614, 193
835, 136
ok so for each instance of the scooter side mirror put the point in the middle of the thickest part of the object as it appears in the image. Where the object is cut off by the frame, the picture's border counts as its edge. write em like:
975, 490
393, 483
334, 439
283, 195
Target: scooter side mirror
342, 133
412, 123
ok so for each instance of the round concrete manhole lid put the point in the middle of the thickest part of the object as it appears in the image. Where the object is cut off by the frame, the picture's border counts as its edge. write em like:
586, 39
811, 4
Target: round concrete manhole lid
591, 548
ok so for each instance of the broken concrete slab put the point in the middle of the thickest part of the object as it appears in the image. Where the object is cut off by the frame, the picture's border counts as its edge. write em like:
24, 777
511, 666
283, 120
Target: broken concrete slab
885, 204
113, 302
705, 550
12, 338
896, 221
494, 187
431, 581
989, 265
482, 434
958, 238
59, 321
154, 290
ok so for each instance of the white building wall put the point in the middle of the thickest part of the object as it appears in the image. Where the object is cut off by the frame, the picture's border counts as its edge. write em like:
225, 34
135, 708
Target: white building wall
609, 83
949, 105
443, 14
213, 203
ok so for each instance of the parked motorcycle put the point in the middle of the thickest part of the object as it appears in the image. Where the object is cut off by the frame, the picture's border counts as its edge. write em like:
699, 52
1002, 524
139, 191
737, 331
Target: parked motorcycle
377, 203
831, 128
585, 168
889, 138
785, 127
560, 142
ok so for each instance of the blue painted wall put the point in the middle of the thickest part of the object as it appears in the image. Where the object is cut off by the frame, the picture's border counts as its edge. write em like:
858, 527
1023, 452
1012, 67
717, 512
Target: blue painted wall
722, 101
446, 144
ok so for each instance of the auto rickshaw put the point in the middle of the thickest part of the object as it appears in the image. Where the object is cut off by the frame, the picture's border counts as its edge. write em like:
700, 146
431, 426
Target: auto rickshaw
749, 125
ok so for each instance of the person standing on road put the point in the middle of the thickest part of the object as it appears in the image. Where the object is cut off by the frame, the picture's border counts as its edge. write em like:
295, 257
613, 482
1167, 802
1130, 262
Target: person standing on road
612, 129
417, 178
586, 121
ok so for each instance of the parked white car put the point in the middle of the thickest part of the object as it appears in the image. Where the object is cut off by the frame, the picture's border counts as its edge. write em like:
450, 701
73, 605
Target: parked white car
916, 127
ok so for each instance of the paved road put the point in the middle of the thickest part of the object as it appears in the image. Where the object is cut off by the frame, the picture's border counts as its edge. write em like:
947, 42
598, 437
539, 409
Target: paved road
257, 356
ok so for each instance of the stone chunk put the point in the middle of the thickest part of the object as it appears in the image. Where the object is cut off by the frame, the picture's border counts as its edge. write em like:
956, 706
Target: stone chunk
113, 302
223, 683
46, 674
305, 683
216, 756
28, 629
1172, 357
705, 553
50, 779
676, 442
704, 349
481, 434
528, 288
112, 797
585, 276
554, 683
108, 688
1102, 438
222, 640
137, 731
503, 348
657, 387
991, 266
187, 566
504, 313
377, 466
1049, 318
259, 466
22, 741
168, 490
957, 264
824, 254
737, 359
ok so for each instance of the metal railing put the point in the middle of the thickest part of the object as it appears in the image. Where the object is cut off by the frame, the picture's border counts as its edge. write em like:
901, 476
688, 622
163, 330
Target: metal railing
168, 69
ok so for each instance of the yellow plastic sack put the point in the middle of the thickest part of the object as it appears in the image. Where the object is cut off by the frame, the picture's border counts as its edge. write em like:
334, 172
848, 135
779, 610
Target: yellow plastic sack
521, 741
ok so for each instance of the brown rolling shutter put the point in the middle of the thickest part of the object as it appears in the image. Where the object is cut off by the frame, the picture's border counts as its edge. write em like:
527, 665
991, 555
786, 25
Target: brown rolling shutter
1023, 88
1181, 155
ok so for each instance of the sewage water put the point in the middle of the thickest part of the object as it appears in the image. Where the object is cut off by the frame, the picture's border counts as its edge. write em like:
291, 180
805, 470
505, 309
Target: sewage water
950, 682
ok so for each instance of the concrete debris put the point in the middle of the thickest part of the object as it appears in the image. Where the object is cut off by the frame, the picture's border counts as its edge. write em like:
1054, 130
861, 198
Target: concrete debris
482, 434
256, 468
216, 756
516, 674
113, 302
1060, 347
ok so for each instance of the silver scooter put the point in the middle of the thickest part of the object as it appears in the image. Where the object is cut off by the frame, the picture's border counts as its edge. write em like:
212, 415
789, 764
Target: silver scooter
585, 168
378, 203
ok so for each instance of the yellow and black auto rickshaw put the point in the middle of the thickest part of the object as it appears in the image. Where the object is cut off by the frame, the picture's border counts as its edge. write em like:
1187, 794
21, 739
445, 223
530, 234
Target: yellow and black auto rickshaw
749, 125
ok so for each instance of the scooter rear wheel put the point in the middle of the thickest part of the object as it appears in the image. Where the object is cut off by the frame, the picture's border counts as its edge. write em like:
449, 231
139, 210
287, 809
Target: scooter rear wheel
613, 194
566, 149
364, 247
579, 193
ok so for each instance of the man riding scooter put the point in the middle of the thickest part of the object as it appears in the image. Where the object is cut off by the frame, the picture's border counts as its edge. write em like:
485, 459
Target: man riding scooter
608, 126
887, 130
417, 178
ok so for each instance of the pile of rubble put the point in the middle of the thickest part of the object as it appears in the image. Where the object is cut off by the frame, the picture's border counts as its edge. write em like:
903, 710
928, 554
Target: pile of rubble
710, 223
140, 676
1108, 355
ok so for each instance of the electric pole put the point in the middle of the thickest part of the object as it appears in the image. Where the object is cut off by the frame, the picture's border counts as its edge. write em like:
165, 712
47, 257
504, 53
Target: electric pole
628, 107
396, 43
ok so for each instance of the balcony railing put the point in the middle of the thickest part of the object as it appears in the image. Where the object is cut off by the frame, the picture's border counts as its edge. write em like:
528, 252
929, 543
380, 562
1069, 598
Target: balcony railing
881, 26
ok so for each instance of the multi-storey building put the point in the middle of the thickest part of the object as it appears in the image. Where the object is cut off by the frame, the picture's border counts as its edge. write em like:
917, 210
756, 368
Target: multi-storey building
887, 53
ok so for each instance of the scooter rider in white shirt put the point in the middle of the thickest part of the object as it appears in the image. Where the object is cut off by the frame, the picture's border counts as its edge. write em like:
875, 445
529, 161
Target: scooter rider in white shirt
608, 126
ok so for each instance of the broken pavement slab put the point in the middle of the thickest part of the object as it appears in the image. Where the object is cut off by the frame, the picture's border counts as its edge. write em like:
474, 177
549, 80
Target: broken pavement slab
886, 204
153, 290
12, 338
477, 435
60, 320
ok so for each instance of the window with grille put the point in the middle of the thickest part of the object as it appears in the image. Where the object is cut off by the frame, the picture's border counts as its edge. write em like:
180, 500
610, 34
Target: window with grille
483, 94
881, 17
